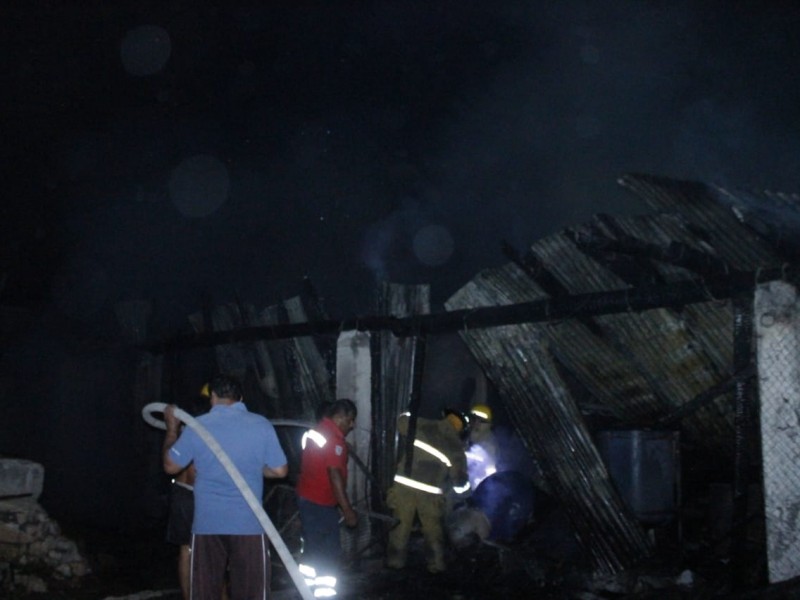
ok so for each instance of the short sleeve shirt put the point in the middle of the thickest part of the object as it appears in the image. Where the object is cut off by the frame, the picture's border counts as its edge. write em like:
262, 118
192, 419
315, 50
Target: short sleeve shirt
314, 483
251, 443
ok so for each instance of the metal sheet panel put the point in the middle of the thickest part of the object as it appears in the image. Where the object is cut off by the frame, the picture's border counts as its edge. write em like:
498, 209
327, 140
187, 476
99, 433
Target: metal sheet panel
517, 360
656, 344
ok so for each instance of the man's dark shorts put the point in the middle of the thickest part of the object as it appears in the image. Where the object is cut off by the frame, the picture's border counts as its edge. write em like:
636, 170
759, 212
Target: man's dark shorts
181, 514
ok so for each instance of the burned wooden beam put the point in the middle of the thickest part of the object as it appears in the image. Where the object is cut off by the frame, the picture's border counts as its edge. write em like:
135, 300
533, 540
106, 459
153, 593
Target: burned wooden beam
674, 253
635, 299
606, 242
418, 363
704, 398
745, 408
536, 270
533, 266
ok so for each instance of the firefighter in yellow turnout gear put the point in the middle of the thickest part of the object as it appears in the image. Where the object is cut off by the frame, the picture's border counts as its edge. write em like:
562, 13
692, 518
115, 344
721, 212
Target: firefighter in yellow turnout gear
438, 464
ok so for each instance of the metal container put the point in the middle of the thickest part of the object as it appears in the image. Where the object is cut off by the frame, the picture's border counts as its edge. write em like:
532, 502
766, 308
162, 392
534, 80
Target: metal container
645, 469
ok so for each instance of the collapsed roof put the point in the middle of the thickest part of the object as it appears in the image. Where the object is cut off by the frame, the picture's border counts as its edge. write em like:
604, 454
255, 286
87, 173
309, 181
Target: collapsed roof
635, 369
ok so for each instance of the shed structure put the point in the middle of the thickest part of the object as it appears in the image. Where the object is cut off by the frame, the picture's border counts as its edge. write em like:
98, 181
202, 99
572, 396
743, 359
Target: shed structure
669, 363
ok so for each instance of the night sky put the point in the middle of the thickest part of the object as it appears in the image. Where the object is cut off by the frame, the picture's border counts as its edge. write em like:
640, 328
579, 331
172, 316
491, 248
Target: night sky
174, 151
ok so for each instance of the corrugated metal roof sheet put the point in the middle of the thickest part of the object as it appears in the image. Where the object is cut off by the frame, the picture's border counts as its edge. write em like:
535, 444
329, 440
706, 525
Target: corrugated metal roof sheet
656, 344
517, 359
638, 366
713, 222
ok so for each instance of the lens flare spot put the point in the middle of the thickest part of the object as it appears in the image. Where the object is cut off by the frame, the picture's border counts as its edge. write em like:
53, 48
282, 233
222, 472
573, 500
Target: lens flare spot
433, 245
145, 50
199, 186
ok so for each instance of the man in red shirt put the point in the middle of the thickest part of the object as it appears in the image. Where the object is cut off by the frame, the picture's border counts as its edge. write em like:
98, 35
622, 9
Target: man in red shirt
321, 491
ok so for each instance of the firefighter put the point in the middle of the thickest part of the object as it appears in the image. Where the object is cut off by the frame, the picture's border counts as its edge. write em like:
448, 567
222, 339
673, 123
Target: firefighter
438, 463
480, 418
483, 449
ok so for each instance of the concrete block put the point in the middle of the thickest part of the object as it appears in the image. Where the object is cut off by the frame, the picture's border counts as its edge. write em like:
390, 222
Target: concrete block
20, 478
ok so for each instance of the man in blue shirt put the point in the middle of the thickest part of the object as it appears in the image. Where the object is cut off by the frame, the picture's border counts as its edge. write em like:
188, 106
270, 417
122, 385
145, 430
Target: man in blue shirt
226, 533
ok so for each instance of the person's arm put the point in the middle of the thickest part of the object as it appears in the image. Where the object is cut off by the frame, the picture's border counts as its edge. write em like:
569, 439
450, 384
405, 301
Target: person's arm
337, 484
273, 454
188, 475
173, 428
275, 472
458, 461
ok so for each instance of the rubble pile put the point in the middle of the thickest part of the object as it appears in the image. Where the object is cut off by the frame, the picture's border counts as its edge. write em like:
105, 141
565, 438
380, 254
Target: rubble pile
32, 549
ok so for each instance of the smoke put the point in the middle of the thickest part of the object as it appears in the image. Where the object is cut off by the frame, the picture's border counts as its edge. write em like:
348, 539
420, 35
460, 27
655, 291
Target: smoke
433, 245
480, 465
392, 144
408, 240
238, 149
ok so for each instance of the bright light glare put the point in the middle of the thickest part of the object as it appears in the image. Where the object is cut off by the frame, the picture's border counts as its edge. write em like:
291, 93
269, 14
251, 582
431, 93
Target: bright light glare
479, 465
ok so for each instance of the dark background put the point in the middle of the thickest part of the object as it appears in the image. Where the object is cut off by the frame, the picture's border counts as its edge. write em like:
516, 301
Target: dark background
182, 152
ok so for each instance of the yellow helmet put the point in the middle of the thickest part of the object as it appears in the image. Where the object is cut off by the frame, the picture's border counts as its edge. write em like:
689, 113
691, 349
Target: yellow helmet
205, 391
481, 411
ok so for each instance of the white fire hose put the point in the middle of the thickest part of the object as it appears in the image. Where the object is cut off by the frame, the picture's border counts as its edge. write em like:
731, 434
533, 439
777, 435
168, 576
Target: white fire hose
247, 493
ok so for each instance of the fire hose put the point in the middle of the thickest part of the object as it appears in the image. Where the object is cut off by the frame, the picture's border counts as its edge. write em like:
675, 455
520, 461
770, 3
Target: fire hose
241, 484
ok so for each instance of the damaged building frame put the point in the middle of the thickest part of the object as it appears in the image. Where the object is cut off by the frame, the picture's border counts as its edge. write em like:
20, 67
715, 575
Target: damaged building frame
676, 327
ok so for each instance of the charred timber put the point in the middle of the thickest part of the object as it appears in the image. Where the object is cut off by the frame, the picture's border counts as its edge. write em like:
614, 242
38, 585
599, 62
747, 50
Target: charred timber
420, 346
533, 266
635, 299
704, 398
675, 253
744, 392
